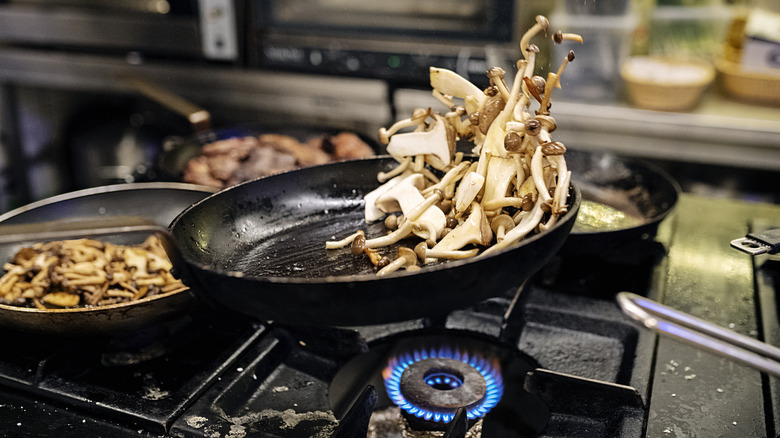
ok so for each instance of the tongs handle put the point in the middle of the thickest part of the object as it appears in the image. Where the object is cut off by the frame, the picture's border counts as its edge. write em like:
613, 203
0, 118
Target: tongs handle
764, 242
697, 332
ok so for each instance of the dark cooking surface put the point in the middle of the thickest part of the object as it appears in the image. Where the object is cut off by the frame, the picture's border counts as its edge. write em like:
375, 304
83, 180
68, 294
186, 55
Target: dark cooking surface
590, 372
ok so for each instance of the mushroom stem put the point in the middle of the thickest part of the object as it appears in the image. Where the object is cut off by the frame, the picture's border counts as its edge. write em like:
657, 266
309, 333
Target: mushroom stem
335, 244
561, 193
537, 172
402, 166
499, 203
554, 81
418, 118
542, 24
526, 225
427, 255
407, 226
406, 257
449, 178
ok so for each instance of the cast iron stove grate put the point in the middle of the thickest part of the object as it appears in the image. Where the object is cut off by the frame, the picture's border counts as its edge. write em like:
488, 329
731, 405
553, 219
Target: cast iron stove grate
568, 358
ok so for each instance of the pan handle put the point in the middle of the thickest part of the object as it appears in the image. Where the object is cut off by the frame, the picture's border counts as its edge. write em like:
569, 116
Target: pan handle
199, 118
699, 333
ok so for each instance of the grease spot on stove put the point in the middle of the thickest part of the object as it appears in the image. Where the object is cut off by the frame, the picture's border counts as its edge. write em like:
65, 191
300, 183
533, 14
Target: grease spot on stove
154, 393
289, 419
197, 422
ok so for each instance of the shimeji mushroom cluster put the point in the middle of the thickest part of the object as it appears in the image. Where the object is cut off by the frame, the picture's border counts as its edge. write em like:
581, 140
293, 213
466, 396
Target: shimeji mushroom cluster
519, 184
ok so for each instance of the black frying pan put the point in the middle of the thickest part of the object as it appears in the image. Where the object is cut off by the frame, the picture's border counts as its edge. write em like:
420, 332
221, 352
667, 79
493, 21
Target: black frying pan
610, 185
259, 248
156, 202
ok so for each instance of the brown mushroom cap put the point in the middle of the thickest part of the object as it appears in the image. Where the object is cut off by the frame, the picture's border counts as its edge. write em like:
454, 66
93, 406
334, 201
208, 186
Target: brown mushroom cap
502, 220
408, 255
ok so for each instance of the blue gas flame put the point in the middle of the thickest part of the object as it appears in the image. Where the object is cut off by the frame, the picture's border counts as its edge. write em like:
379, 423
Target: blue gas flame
490, 371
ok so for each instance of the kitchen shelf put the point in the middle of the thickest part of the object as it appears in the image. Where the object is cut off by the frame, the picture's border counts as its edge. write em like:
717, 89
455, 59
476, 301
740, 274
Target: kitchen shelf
719, 132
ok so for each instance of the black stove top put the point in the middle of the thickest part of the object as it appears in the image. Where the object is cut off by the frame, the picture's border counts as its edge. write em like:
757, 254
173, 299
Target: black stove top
556, 358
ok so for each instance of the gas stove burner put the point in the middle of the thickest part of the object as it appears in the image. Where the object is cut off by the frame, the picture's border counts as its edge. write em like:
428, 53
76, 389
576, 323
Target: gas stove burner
432, 384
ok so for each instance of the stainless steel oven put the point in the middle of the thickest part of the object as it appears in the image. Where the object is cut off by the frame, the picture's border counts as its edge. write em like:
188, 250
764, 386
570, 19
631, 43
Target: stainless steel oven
391, 40
63, 71
184, 29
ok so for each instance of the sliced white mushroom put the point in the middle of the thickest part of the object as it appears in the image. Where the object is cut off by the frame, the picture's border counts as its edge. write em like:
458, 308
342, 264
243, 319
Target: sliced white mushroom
405, 196
448, 82
433, 142
371, 212
467, 191
407, 226
500, 173
475, 230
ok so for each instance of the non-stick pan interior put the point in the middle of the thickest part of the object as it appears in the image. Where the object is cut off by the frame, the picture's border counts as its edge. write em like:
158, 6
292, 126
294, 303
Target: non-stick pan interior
262, 230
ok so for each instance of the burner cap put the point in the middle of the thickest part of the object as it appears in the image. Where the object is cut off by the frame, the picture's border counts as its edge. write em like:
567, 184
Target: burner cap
442, 385
432, 385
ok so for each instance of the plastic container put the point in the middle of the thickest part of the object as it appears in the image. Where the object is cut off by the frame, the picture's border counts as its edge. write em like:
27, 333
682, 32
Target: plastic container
688, 31
596, 7
594, 75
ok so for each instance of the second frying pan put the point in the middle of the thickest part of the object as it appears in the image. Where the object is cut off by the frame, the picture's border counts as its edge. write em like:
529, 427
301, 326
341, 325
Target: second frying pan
623, 200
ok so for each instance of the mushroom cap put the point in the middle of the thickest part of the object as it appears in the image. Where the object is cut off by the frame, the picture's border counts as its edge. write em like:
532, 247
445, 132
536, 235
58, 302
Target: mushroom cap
548, 122
502, 220
408, 255
420, 250
543, 22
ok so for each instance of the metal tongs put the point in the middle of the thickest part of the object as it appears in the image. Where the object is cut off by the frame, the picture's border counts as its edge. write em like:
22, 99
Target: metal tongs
765, 242
700, 333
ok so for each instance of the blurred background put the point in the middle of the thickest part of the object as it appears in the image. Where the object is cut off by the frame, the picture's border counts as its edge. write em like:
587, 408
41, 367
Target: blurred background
96, 92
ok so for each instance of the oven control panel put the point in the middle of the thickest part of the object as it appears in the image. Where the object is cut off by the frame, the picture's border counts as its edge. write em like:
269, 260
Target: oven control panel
218, 30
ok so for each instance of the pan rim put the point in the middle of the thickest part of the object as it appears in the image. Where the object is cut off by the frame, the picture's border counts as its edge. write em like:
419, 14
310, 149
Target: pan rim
112, 188
92, 309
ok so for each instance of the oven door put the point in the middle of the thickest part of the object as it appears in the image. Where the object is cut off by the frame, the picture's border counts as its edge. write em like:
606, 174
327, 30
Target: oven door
191, 29
487, 20
391, 40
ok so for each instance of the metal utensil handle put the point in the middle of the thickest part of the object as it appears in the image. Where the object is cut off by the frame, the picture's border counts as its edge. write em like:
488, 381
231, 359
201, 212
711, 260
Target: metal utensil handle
700, 333
92, 227
199, 118
82, 227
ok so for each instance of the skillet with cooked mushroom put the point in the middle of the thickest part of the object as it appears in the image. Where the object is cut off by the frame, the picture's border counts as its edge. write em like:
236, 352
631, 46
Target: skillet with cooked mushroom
86, 272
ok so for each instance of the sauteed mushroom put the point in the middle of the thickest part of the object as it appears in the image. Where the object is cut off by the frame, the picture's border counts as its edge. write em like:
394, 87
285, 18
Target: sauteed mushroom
519, 180
86, 272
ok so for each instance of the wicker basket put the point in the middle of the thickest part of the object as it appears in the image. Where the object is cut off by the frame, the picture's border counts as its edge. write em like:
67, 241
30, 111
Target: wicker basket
751, 86
662, 91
